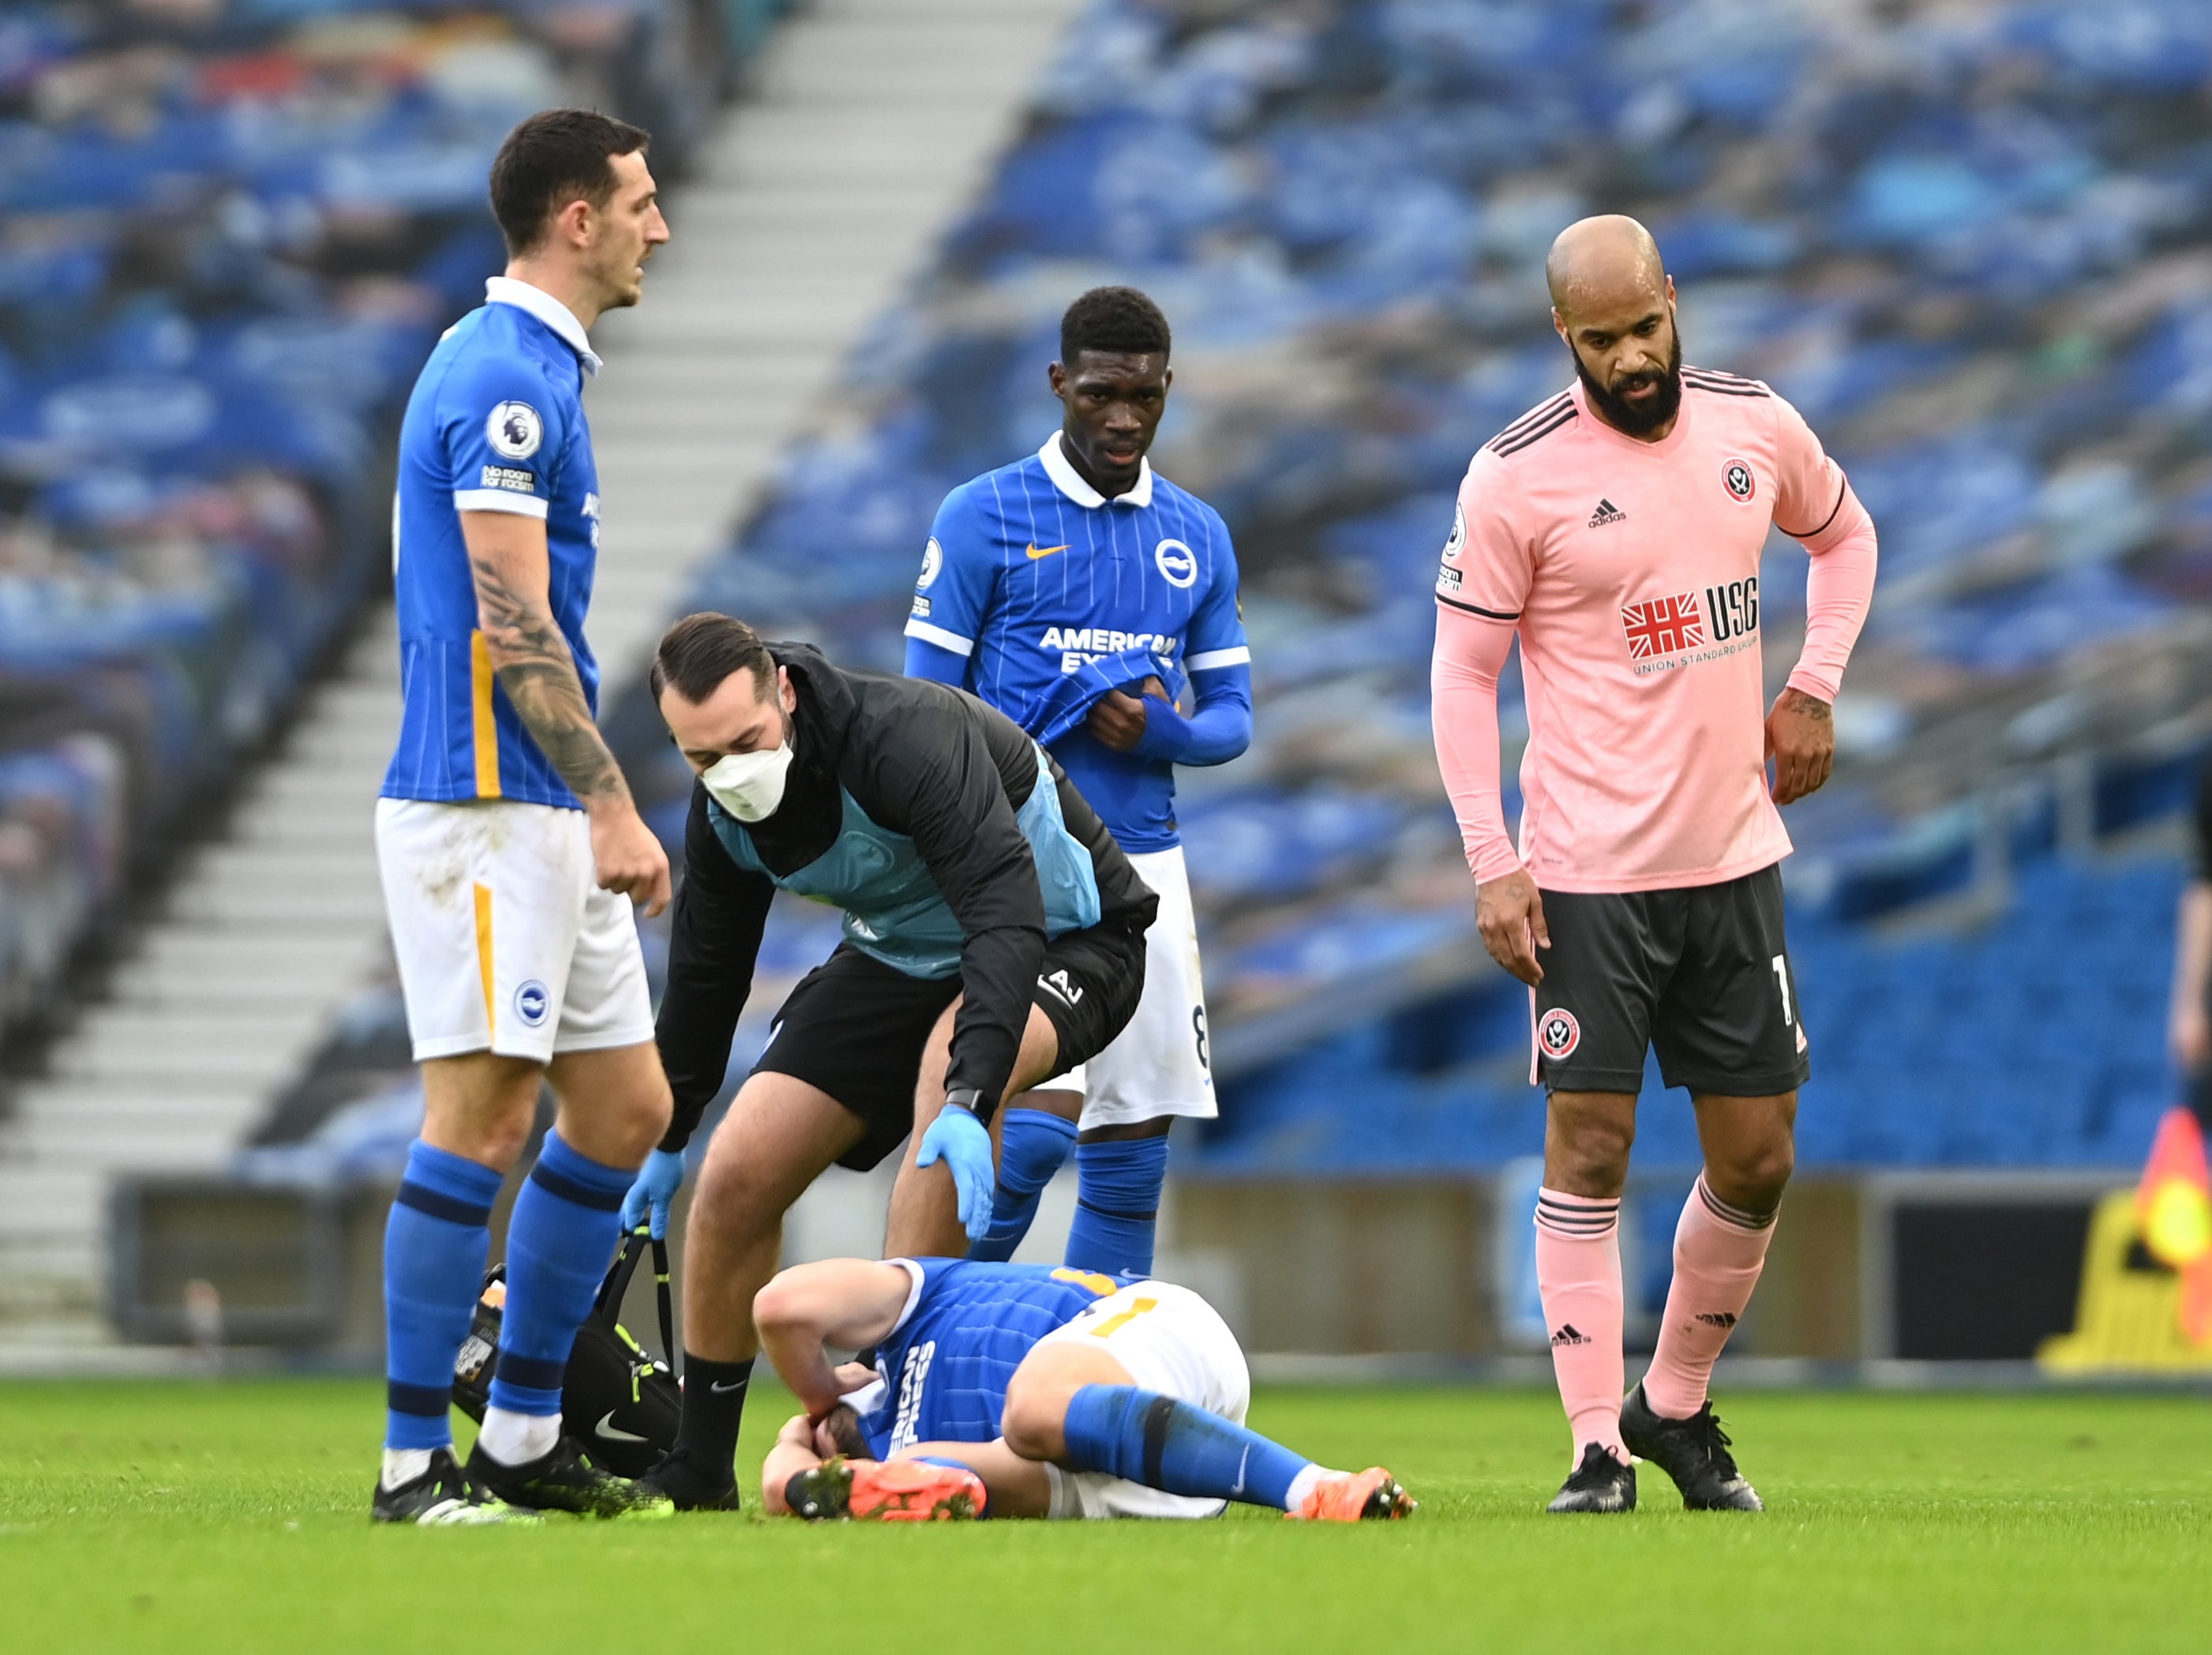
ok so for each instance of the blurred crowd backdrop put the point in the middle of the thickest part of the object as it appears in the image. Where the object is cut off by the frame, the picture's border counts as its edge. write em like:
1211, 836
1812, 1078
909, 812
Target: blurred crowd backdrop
1971, 241
230, 231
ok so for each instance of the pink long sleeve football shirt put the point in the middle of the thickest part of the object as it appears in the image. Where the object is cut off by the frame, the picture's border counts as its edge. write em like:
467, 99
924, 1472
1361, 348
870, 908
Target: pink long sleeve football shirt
1630, 572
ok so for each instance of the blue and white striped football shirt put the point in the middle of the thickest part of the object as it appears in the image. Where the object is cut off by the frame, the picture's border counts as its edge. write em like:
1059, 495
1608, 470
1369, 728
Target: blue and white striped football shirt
496, 423
1039, 585
943, 1370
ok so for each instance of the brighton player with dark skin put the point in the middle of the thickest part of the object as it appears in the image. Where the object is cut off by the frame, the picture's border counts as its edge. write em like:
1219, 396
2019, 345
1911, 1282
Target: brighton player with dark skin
1614, 305
1114, 401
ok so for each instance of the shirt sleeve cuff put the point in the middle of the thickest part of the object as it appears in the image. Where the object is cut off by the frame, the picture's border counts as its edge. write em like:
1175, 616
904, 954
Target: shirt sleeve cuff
1214, 660
1494, 863
1809, 681
937, 634
515, 505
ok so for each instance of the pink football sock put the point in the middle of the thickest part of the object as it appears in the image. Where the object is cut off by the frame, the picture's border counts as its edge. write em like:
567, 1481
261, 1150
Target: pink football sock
1719, 1250
1578, 1275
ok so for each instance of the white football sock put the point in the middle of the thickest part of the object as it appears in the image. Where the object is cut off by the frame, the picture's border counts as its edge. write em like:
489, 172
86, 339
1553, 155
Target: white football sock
1301, 1485
515, 1438
404, 1465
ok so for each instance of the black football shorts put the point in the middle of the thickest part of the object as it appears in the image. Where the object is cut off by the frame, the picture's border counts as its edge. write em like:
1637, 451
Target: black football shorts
856, 1027
1700, 973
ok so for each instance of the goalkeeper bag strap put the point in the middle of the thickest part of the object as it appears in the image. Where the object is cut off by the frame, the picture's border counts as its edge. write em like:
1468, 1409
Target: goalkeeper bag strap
661, 1291
607, 1307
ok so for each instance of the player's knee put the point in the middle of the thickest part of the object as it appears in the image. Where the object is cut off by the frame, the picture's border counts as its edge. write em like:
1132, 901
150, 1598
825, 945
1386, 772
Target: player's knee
775, 1305
1035, 1418
497, 1141
482, 1106
648, 1116
1755, 1175
728, 1195
494, 1138
1595, 1145
1762, 1177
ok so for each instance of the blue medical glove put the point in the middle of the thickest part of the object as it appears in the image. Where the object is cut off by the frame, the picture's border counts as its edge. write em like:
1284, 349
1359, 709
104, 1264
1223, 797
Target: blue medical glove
657, 1181
964, 1145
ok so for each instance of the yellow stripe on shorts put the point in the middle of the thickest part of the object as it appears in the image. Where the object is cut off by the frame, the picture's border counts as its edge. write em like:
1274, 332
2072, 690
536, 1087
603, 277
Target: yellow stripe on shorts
483, 726
483, 949
1113, 1324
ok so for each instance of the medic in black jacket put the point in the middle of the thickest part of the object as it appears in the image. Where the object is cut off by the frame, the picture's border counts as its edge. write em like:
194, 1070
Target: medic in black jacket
994, 938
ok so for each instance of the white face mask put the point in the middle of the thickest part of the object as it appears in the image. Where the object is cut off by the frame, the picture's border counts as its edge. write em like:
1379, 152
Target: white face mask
750, 785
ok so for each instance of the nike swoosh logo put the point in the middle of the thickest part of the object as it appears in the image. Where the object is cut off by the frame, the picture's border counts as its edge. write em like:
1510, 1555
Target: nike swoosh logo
606, 1428
1036, 551
723, 1387
1240, 1465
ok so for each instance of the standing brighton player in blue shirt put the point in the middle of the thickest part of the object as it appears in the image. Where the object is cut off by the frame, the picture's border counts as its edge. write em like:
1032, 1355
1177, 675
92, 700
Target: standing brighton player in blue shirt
508, 843
1080, 593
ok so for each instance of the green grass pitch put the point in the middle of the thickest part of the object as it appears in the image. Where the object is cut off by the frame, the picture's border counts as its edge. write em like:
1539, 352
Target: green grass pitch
184, 1517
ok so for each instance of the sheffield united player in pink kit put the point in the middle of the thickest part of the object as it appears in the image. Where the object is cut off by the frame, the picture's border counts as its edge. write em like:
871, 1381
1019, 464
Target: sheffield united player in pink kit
1617, 529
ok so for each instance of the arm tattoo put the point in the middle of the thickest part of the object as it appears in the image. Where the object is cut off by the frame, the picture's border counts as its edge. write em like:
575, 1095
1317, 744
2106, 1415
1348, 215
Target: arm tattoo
539, 673
1811, 707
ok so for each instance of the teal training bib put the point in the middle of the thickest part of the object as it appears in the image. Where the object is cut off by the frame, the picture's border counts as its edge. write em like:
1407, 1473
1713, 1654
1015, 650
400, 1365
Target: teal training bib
894, 911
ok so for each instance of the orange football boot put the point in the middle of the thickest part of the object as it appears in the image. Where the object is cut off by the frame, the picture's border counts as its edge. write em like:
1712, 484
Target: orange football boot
1372, 1495
886, 1491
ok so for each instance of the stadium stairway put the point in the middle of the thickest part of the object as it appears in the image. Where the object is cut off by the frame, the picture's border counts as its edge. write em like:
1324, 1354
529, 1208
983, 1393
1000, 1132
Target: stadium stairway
867, 125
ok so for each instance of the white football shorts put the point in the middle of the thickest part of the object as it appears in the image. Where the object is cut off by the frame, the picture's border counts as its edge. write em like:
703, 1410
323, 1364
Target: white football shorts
505, 942
1160, 1064
1170, 1341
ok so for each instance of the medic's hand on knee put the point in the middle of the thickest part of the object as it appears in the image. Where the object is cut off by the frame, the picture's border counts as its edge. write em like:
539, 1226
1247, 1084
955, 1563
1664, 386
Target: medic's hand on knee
656, 1185
961, 1140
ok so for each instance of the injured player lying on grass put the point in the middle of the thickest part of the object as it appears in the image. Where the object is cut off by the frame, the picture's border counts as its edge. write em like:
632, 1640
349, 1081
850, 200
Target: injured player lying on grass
1023, 1390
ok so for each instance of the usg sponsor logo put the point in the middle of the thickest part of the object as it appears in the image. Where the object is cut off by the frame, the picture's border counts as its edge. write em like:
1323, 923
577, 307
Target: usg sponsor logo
1732, 609
1663, 626
532, 1001
1177, 564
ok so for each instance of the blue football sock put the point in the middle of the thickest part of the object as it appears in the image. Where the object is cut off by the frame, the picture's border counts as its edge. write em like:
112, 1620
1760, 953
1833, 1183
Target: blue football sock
1117, 1204
1175, 1447
435, 1245
562, 1238
1031, 1147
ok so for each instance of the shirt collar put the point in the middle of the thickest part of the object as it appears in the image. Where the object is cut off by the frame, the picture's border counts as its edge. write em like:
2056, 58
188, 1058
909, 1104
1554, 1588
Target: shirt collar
506, 290
1069, 481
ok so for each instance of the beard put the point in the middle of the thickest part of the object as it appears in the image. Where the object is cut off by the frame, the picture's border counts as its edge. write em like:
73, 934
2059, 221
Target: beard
1637, 419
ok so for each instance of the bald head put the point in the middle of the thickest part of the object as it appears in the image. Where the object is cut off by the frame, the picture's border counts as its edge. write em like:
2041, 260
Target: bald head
1613, 304
1603, 264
